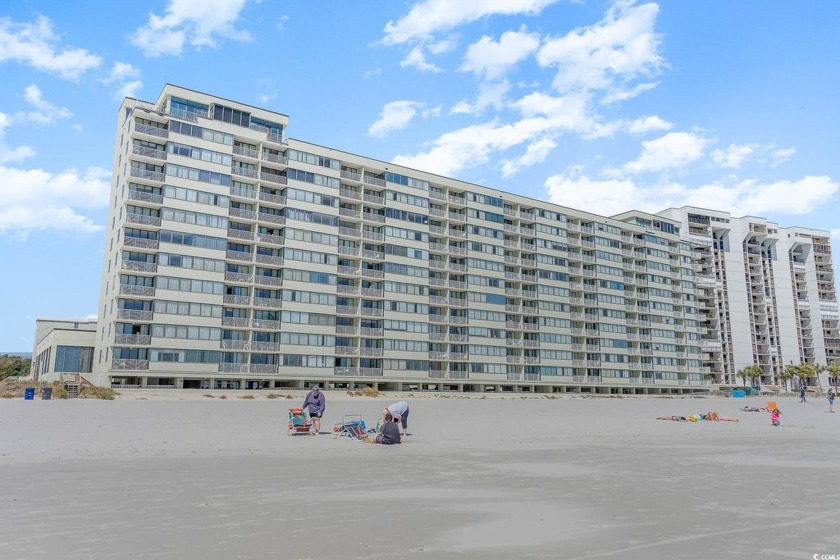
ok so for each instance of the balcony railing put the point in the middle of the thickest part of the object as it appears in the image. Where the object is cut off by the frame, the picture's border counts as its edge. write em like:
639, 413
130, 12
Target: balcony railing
151, 130
273, 178
135, 315
130, 364
148, 174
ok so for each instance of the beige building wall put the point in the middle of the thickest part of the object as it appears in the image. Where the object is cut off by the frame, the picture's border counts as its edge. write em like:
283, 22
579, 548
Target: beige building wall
50, 334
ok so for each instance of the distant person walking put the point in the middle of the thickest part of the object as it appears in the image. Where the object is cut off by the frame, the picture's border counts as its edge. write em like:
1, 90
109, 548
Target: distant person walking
399, 412
831, 400
802, 393
316, 403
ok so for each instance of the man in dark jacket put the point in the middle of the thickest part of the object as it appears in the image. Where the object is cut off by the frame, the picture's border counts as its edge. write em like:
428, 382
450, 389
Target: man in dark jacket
316, 403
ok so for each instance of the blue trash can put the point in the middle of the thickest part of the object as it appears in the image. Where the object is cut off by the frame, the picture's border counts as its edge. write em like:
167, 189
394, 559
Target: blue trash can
29, 394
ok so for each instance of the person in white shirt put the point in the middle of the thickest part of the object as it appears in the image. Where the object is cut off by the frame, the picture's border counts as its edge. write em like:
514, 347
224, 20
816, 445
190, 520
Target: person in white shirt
399, 411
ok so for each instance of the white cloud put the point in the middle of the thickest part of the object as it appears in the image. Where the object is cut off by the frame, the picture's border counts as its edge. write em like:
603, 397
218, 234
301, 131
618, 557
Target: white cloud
607, 55
490, 94
394, 116
617, 94
130, 89
612, 196
34, 199
265, 97
45, 113
428, 17
36, 45
733, 156
651, 123
372, 73
536, 153
199, 22
543, 116
736, 155
672, 151
8, 154
443, 46
491, 59
78, 128
127, 79
281, 23
415, 58
781, 155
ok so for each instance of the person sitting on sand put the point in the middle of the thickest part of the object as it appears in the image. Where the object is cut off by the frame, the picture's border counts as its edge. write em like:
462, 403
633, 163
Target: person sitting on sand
390, 432
774, 416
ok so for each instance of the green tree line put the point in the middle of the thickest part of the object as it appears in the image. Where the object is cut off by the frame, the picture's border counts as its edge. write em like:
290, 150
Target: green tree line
14, 366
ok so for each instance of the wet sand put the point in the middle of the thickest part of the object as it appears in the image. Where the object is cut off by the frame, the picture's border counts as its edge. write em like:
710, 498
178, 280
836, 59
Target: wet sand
179, 475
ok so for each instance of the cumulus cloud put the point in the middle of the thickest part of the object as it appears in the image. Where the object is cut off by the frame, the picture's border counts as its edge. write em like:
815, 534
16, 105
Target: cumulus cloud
651, 123
7, 153
126, 78
672, 151
201, 23
417, 59
620, 93
490, 94
536, 153
428, 17
394, 116
35, 199
607, 55
741, 197
36, 44
490, 59
735, 155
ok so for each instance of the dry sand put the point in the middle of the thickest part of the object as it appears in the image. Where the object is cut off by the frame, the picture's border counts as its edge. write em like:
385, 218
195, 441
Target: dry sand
179, 475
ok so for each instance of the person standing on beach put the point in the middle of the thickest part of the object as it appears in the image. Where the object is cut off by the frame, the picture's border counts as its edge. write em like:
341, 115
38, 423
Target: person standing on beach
316, 403
831, 400
802, 394
399, 411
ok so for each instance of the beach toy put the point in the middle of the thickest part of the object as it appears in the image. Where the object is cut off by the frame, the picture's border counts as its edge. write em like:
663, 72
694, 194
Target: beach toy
771, 406
738, 394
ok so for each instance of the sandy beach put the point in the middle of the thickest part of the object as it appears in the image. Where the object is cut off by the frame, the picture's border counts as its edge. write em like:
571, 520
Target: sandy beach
181, 475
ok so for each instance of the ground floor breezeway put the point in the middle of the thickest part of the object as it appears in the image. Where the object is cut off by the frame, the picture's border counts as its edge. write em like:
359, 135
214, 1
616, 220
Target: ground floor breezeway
572, 385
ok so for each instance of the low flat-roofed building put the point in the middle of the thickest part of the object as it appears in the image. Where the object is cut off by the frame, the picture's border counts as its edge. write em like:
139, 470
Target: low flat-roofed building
62, 347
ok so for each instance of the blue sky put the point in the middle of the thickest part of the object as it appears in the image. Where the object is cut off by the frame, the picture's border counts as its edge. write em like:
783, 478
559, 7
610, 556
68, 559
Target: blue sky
603, 106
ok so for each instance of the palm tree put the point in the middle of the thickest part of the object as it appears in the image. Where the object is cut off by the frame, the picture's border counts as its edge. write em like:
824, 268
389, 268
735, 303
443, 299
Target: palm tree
791, 371
806, 371
786, 375
818, 369
751, 373
834, 371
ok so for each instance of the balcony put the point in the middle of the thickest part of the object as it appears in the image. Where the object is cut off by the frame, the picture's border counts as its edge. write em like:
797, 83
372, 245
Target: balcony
272, 218
241, 234
375, 181
239, 256
232, 367
273, 158
349, 193
262, 368
266, 324
135, 315
233, 344
369, 331
273, 178
238, 277
265, 280
139, 266
370, 372
140, 243
242, 214
372, 273
129, 364
148, 175
143, 196
346, 371
274, 260
240, 322
132, 290
142, 219
346, 351
236, 300
270, 303
151, 131
369, 351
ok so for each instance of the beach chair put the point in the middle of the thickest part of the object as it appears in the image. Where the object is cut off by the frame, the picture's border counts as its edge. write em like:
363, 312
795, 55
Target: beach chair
352, 426
299, 422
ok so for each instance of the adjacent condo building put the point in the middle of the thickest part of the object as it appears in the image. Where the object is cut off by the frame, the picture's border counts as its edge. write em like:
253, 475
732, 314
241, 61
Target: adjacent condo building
237, 257
766, 294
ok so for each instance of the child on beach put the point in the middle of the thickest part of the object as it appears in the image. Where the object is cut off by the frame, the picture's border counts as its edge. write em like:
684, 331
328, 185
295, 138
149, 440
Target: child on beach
831, 400
774, 416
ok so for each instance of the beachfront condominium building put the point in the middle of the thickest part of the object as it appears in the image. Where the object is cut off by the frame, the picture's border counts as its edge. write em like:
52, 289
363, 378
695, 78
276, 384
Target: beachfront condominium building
237, 257
766, 294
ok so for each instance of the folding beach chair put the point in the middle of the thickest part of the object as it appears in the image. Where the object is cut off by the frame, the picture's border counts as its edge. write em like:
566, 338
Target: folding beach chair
352, 426
299, 422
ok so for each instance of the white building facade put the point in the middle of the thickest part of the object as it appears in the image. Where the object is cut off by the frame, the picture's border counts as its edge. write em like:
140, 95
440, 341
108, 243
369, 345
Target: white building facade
767, 294
236, 257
